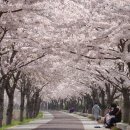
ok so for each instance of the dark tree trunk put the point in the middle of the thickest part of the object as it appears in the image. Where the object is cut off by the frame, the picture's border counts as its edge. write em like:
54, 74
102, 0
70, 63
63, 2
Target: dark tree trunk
27, 108
66, 105
38, 106
22, 107
103, 106
82, 102
10, 110
1, 104
30, 112
95, 96
108, 94
10, 89
31, 108
35, 107
111, 92
85, 103
61, 104
89, 103
126, 105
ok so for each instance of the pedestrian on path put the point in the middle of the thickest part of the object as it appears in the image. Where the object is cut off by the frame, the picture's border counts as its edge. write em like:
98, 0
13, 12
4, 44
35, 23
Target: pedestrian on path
96, 111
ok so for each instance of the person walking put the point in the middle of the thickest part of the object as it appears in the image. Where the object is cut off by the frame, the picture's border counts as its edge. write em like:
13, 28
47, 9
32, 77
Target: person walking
96, 111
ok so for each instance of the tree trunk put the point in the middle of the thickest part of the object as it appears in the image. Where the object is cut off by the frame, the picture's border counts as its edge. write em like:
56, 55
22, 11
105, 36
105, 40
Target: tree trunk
89, 103
61, 104
82, 103
66, 105
9, 110
35, 106
29, 108
103, 106
38, 106
126, 105
10, 89
1, 104
22, 107
95, 96
108, 94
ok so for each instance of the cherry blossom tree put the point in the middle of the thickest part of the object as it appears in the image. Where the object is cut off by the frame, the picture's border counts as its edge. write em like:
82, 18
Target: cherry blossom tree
81, 41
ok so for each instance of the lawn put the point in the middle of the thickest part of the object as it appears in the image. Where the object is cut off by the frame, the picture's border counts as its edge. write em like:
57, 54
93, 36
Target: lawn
25, 121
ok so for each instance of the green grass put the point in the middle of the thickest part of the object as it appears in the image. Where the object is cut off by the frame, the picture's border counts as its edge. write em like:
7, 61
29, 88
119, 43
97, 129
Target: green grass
25, 121
90, 116
40, 115
115, 128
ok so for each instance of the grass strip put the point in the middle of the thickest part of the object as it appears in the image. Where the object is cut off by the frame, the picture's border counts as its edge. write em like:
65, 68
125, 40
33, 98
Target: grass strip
25, 121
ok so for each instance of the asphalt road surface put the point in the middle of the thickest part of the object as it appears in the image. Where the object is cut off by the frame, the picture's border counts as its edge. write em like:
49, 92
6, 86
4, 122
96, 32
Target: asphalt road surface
62, 121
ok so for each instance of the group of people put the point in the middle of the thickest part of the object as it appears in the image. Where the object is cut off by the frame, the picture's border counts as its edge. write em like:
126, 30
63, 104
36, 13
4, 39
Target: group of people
111, 117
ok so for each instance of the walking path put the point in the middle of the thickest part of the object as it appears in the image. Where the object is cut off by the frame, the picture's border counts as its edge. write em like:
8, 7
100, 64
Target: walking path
34, 124
60, 121
89, 124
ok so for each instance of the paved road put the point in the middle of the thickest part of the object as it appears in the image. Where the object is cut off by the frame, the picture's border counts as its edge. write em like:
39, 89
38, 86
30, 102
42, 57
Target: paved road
62, 121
